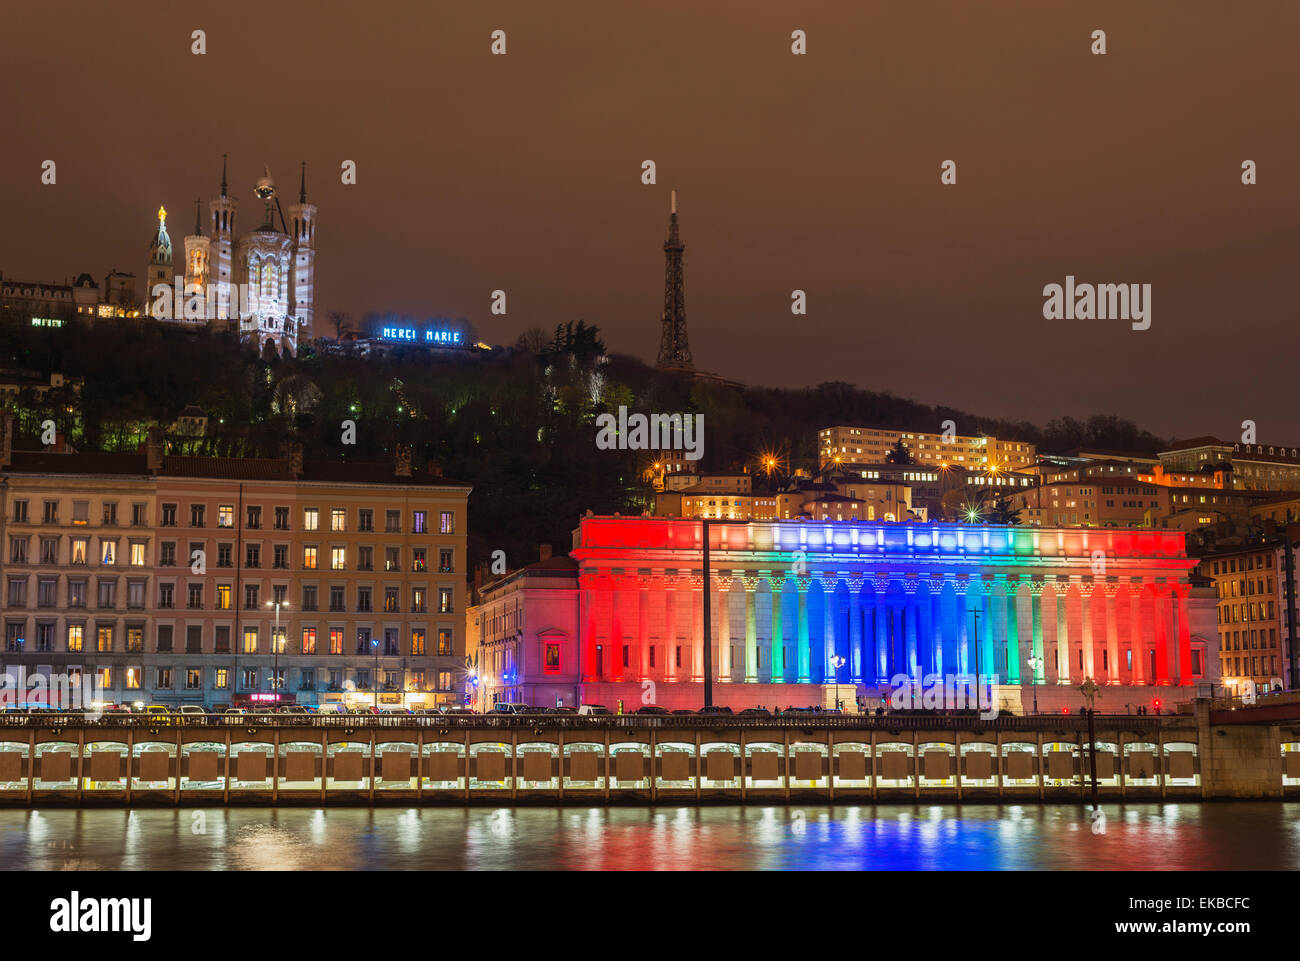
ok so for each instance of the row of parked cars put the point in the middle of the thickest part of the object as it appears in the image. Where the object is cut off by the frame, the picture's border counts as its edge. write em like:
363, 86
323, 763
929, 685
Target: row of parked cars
652, 710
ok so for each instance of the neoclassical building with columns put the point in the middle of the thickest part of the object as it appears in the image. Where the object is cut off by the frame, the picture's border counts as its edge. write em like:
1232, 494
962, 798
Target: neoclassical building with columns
799, 605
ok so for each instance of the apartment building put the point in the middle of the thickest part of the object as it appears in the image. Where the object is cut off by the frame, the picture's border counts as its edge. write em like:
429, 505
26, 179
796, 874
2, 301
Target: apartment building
871, 445
177, 580
1249, 583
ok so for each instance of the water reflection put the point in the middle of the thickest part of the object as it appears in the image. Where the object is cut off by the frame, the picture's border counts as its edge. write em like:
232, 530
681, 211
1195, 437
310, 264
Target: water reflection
801, 837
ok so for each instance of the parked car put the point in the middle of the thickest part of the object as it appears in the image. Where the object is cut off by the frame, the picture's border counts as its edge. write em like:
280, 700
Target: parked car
158, 714
715, 709
652, 709
458, 709
683, 712
193, 714
593, 710
233, 715
508, 707
759, 711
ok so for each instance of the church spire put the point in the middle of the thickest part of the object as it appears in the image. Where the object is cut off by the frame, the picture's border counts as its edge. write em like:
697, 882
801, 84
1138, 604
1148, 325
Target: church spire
198, 217
302, 187
223, 175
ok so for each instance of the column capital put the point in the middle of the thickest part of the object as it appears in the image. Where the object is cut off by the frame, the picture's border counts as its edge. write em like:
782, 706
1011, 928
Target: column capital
696, 581
910, 585
1111, 588
1036, 588
829, 579
803, 582
855, 583
750, 581
881, 584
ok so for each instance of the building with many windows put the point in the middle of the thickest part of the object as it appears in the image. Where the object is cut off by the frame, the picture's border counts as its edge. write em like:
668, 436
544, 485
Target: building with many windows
1265, 467
1249, 582
871, 445
178, 580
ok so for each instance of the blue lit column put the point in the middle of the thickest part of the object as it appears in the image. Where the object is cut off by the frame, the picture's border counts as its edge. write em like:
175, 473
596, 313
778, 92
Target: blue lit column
822, 666
856, 659
881, 609
911, 630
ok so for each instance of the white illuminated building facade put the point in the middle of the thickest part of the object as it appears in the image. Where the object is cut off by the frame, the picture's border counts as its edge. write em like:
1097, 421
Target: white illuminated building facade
263, 280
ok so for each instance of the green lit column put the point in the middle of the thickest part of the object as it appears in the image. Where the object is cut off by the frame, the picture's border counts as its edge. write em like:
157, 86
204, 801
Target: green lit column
777, 584
1036, 627
1014, 653
802, 583
750, 584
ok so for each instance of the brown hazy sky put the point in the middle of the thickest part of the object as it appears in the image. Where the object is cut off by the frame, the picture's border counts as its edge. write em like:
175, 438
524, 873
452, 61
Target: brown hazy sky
818, 172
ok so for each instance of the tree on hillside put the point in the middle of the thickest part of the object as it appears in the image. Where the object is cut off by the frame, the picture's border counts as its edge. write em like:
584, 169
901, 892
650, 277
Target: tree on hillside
898, 454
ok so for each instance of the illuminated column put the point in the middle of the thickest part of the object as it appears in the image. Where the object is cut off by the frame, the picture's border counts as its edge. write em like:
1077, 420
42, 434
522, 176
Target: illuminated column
1015, 656
938, 662
670, 625
856, 659
824, 673
988, 663
1136, 644
751, 629
882, 630
1112, 635
910, 625
966, 656
1085, 631
1062, 589
615, 655
802, 582
643, 624
777, 584
723, 616
995, 627
1160, 615
697, 628
1183, 672
1036, 629
587, 626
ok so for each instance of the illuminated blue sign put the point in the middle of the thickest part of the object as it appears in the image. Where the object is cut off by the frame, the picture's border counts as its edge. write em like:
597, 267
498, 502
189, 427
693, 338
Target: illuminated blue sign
450, 338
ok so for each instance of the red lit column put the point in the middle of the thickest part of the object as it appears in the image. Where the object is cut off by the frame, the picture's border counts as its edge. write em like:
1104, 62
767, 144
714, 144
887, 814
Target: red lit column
670, 625
1135, 636
1161, 614
1112, 636
722, 615
643, 625
697, 628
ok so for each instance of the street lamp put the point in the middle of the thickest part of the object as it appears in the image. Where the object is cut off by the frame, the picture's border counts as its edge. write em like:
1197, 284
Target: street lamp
1035, 664
275, 644
374, 644
837, 662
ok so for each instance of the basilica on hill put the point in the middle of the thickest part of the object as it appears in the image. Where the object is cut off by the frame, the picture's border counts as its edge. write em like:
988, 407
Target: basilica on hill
262, 279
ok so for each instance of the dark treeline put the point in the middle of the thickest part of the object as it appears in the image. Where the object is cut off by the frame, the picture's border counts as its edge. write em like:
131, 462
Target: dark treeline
518, 423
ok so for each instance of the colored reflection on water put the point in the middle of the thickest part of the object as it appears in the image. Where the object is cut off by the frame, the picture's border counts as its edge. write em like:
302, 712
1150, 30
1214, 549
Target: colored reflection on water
797, 837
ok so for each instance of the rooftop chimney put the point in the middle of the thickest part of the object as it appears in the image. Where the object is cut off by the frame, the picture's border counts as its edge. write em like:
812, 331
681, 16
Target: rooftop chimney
291, 453
7, 439
154, 449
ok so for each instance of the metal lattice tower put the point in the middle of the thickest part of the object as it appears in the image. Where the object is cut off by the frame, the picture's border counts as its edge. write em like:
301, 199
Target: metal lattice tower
674, 347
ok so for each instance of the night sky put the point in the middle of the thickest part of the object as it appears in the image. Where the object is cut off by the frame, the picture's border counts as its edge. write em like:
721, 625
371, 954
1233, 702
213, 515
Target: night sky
817, 172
